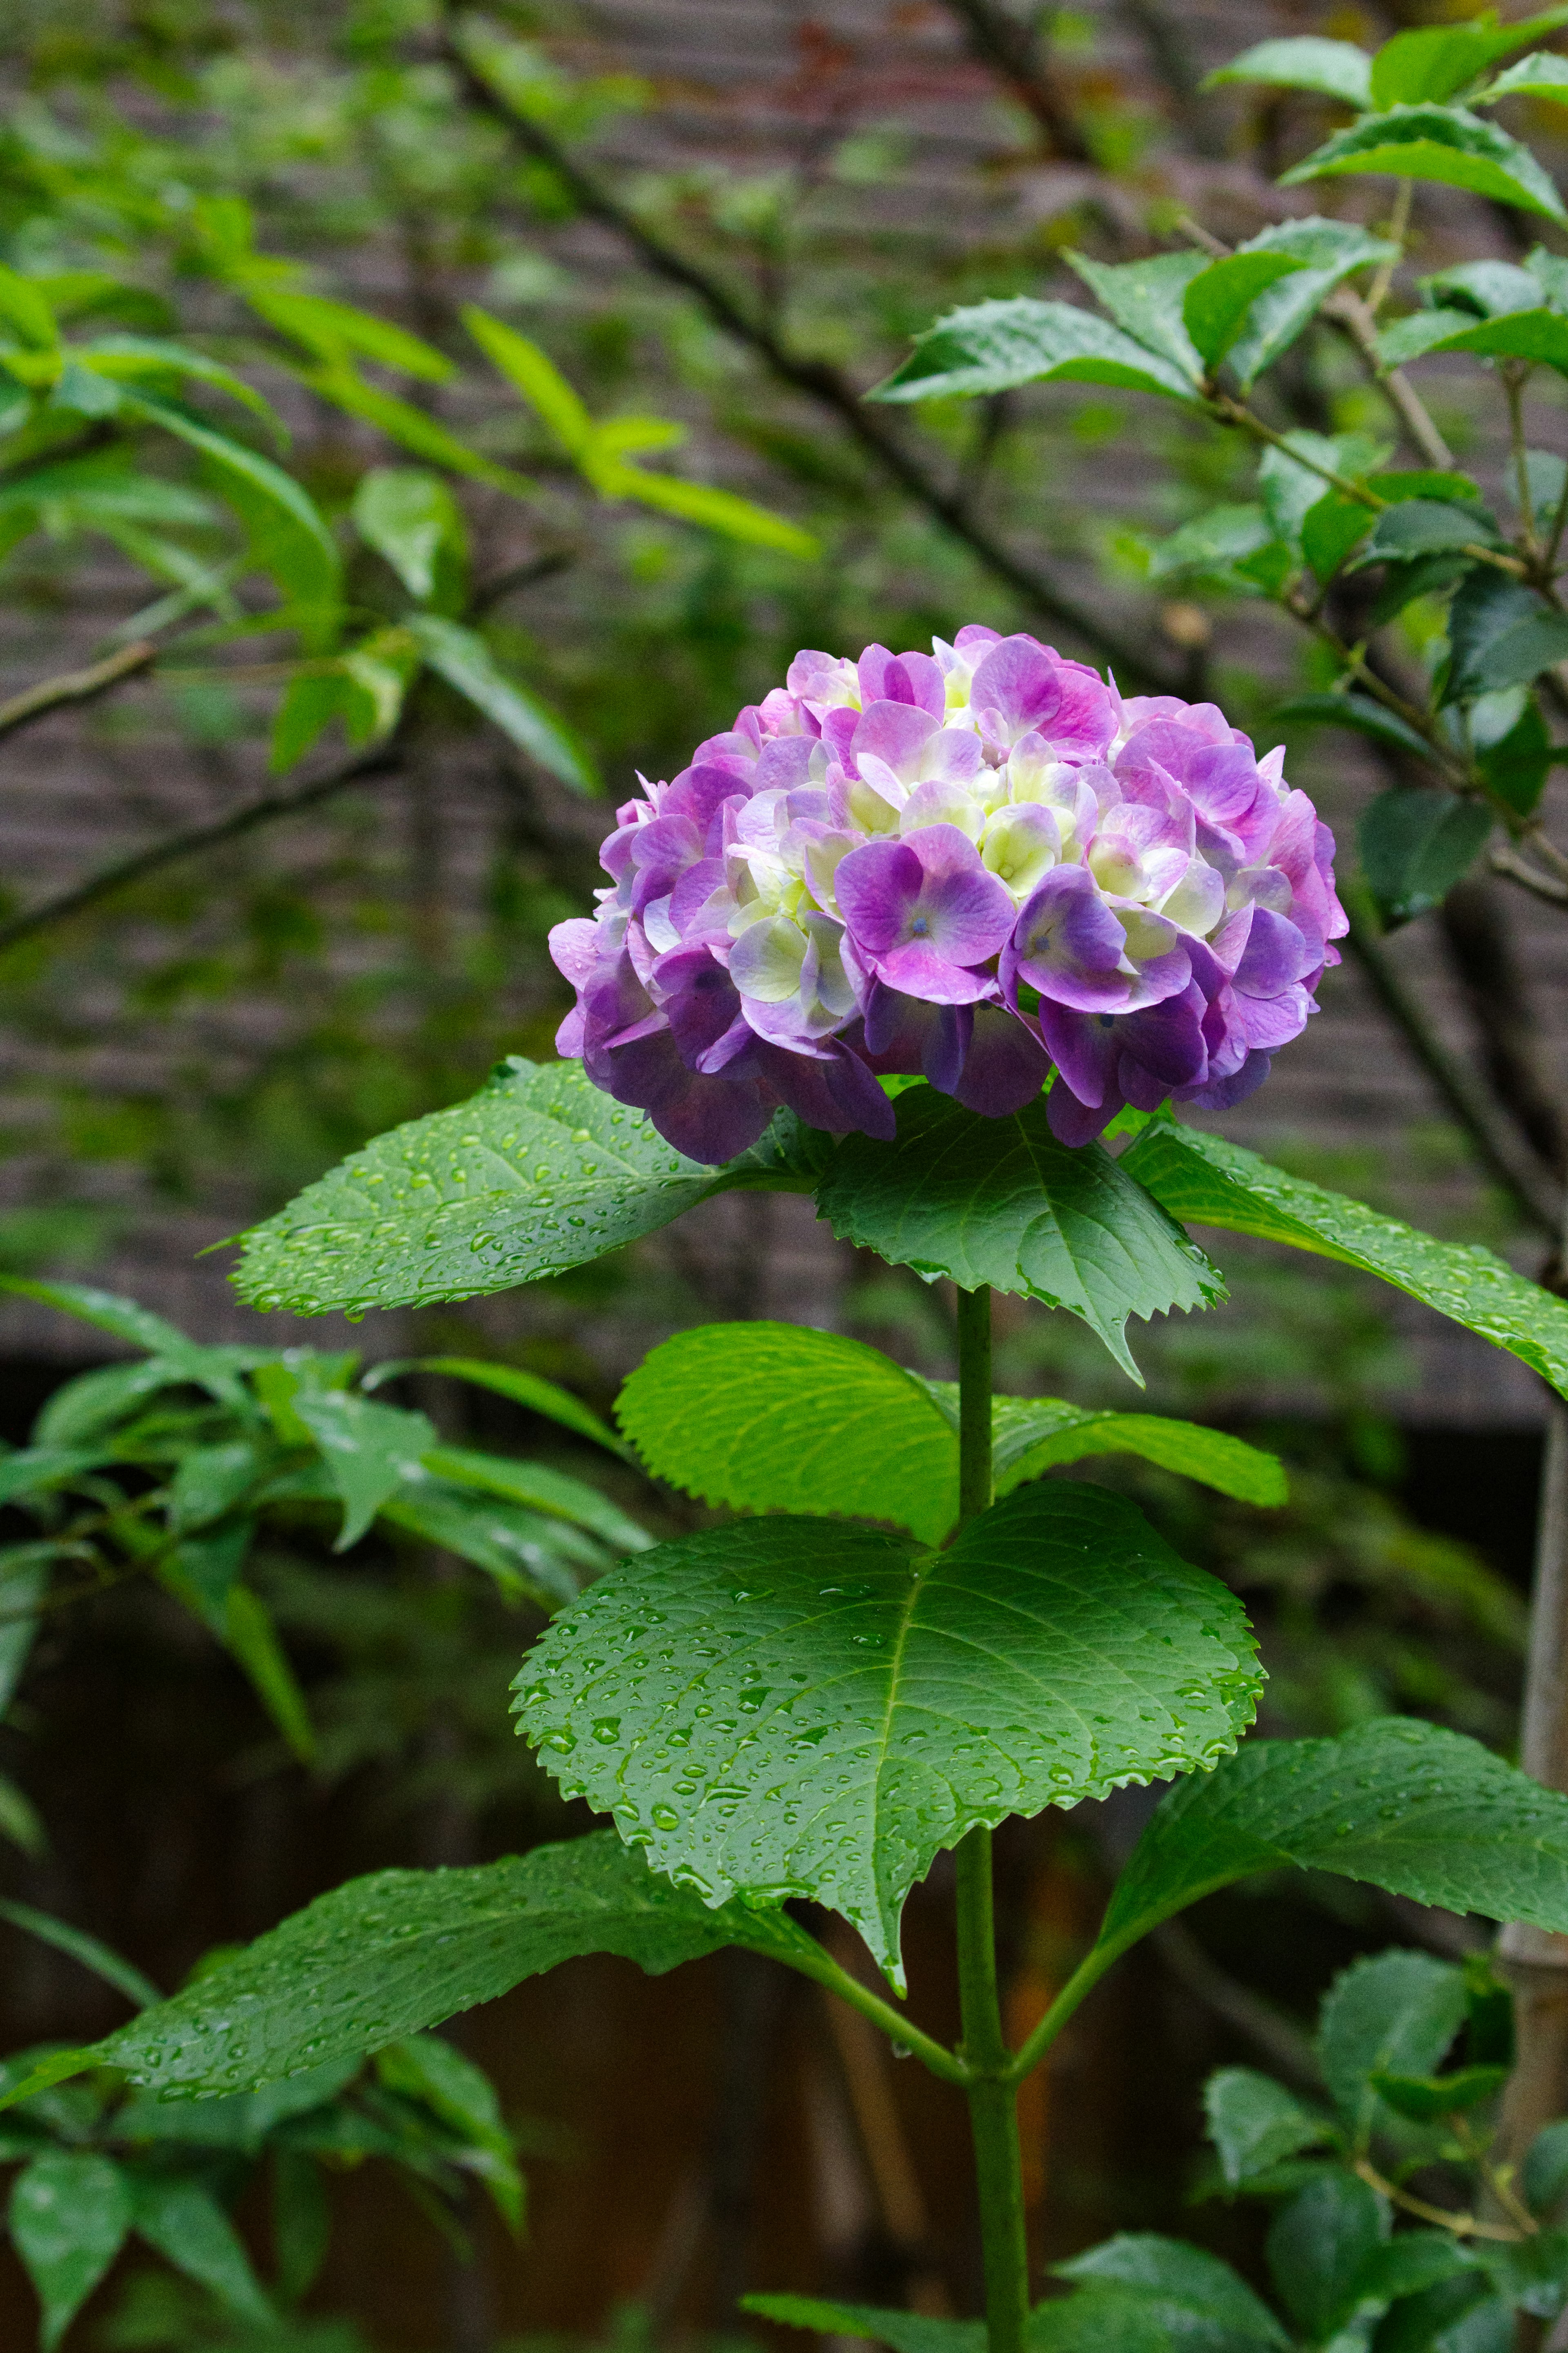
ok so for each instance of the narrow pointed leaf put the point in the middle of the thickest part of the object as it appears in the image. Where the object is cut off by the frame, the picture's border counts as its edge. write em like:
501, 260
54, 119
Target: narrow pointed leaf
905, 2332
1539, 335
1332, 68
1357, 712
392, 1954
1216, 1183
88, 1951
368, 1449
861, 1702
537, 1173
1411, 1808
185, 2222
251, 1634
1436, 142
1543, 75
310, 571
178, 1357
466, 662
993, 346
530, 1390
1212, 543
1215, 305
714, 510
530, 1558
541, 1487
1000, 1201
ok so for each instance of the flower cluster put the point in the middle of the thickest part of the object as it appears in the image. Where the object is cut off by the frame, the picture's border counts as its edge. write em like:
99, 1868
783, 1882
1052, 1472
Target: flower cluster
971, 864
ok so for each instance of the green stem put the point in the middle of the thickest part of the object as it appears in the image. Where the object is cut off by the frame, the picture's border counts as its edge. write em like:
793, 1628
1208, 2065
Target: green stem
992, 2096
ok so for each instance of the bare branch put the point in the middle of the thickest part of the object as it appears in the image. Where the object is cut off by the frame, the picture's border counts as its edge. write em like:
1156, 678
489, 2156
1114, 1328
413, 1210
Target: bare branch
1529, 877
75, 686
819, 381
380, 761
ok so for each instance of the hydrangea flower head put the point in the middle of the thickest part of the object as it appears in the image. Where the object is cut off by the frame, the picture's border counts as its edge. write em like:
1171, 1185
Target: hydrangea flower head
969, 865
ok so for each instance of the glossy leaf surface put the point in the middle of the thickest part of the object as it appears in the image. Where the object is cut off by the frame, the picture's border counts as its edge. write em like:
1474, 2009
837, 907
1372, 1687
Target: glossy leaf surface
802, 1707
389, 1955
1000, 1201
1501, 635
1436, 142
1216, 1183
994, 346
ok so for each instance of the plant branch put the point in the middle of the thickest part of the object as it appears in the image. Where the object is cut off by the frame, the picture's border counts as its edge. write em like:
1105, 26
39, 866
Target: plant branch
75, 686
999, 40
382, 761
1508, 860
816, 379
814, 1962
1515, 1169
1463, 2226
1347, 310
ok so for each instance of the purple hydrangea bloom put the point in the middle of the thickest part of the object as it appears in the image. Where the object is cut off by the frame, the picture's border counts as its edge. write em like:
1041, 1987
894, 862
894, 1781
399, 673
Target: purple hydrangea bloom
970, 865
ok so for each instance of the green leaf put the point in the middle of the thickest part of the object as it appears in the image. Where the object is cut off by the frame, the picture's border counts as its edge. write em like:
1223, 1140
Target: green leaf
1319, 2246
1292, 478
905, 2332
1416, 844
1434, 61
529, 1390
24, 307
993, 346
412, 428
1501, 634
86, 1950
542, 1488
1194, 2298
1436, 142
714, 510
25, 1588
1490, 289
523, 1551
20, 1821
1148, 301
389, 1955
1543, 75
300, 551
1213, 1182
1328, 251
1000, 1201
1544, 2178
330, 328
1254, 2122
1358, 712
1427, 2099
126, 358
424, 2068
776, 1416
189, 2229
412, 519
1331, 529
1539, 335
368, 1449
209, 1483
1416, 1809
1334, 68
178, 1359
1389, 2012
241, 2120
466, 662
251, 1634
69, 2214
1516, 767
532, 374
1211, 542
1425, 527
538, 1172
891, 1698
302, 2222
1217, 302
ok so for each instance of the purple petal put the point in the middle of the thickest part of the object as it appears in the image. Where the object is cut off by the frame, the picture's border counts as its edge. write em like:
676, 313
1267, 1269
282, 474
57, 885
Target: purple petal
1068, 943
574, 948
1075, 1123
1167, 1042
832, 1090
896, 732
1223, 1093
876, 887
902, 678
1004, 1067
1275, 957
1083, 1047
708, 1119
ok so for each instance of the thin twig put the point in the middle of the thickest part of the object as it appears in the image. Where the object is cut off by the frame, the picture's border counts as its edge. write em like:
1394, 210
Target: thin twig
1347, 310
380, 761
1508, 860
1463, 2226
75, 686
817, 379
1530, 1185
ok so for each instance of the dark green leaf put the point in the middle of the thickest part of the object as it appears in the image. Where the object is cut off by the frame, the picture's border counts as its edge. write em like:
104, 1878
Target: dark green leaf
530, 1390
1334, 68
251, 1634
1429, 576
1328, 252
215, 1370
1517, 766
466, 662
890, 1698
1000, 1201
523, 1551
1292, 478
1488, 289
1194, 2298
1425, 2099
1411, 2264
209, 1482
402, 1950
1331, 529
1147, 301
1545, 2176
1219, 300
70, 2215
1416, 844
124, 1976
1539, 336
1425, 527
1389, 2013
1216, 1183
297, 547
1501, 634
1354, 711
1254, 2122
302, 2222
240, 2120
538, 1172
905, 2332
1319, 2246
190, 2230
1423, 1812
25, 1588
1436, 142
540, 1488
424, 2068
993, 346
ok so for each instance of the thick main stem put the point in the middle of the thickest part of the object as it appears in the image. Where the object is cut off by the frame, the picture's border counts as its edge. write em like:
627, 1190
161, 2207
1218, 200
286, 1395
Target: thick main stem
992, 2095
